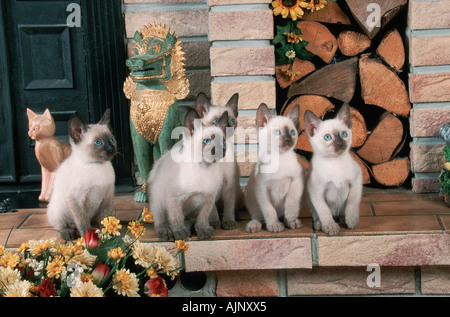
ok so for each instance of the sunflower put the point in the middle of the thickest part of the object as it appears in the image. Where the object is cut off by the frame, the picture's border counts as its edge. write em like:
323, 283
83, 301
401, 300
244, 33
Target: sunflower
316, 5
292, 8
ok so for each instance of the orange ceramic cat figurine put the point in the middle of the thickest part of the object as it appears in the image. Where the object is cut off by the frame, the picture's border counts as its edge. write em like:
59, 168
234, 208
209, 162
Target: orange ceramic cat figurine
50, 151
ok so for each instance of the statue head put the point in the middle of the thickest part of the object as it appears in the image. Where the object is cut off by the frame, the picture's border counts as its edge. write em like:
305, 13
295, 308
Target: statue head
153, 52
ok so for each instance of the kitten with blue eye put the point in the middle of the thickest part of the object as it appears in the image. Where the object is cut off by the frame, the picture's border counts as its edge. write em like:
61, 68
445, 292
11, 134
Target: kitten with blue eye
276, 184
334, 184
83, 188
184, 182
231, 196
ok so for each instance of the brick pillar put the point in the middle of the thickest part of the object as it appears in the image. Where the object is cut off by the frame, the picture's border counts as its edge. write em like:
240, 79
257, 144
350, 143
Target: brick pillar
243, 61
429, 88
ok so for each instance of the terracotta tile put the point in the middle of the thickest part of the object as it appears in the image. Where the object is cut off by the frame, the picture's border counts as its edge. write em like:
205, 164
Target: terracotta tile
9, 220
445, 219
33, 211
126, 202
380, 225
410, 208
19, 236
38, 220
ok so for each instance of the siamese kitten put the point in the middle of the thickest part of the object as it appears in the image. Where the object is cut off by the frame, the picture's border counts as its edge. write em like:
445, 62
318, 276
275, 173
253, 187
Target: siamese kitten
276, 184
185, 182
84, 183
334, 185
231, 195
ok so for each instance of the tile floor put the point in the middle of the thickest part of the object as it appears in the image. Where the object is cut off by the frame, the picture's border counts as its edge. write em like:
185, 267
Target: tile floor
383, 211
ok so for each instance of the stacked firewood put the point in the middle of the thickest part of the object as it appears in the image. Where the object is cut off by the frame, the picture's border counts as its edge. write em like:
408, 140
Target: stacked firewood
363, 67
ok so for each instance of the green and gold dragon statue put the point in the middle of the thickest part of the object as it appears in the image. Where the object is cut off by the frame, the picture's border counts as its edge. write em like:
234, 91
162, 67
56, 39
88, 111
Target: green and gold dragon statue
156, 81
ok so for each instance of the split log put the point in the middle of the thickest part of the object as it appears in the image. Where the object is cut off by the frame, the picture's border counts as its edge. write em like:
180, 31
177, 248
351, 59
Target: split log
300, 68
392, 51
364, 168
331, 13
319, 105
321, 41
334, 80
373, 15
382, 143
359, 129
392, 173
382, 87
352, 43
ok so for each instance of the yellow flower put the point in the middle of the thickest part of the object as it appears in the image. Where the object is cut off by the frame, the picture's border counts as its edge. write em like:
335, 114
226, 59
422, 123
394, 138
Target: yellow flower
292, 8
151, 272
9, 259
38, 246
147, 216
85, 259
111, 225
126, 283
137, 228
182, 246
292, 38
116, 254
86, 289
55, 267
316, 5
23, 247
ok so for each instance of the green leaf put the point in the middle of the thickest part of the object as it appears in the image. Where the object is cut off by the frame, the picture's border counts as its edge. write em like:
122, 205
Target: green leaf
102, 250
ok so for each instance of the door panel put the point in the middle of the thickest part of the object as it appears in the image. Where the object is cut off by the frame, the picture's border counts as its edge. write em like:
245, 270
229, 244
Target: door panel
48, 71
44, 63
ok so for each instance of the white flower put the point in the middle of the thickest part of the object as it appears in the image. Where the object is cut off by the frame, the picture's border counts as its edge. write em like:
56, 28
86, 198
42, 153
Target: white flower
290, 54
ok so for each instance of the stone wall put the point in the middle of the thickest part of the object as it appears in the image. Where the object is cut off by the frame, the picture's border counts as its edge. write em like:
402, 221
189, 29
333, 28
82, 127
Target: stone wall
429, 88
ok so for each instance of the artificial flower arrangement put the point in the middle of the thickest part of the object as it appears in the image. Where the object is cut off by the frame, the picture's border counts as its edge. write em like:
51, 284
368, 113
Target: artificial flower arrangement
288, 36
100, 264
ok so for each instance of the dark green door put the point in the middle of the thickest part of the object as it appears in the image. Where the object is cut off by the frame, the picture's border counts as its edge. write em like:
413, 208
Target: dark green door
48, 61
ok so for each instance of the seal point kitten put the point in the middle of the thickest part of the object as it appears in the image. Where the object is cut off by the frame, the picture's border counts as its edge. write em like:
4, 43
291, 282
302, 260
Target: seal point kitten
334, 184
84, 183
276, 184
184, 183
231, 197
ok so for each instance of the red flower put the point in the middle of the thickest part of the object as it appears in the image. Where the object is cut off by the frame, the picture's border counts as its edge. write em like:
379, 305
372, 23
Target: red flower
91, 238
156, 286
46, 288
100, 272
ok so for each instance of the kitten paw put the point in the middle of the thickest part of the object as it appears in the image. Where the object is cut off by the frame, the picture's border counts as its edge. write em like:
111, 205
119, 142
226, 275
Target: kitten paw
331, 229
215, 224
293, 224
181, 233
229, 225
204, 233
165, 234
352, 222
275, 227
253, 226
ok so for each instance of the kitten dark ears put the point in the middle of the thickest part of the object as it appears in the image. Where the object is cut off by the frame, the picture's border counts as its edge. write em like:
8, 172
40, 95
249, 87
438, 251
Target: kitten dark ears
106, 119
202, 104
76, 128
189, 120
345, 116
262, 115
311, 122
294, 114
233, 104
